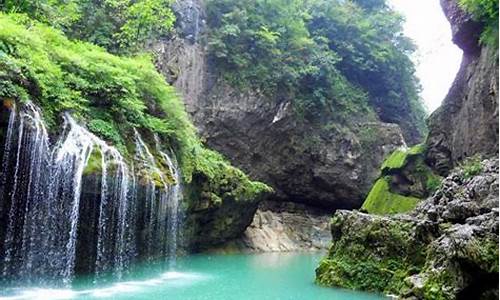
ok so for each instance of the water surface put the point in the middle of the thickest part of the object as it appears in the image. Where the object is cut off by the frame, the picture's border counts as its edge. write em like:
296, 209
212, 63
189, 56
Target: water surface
273, 276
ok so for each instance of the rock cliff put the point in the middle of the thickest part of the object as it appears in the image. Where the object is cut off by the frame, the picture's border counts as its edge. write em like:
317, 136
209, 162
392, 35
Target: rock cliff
447, 247
330, 164
466, 124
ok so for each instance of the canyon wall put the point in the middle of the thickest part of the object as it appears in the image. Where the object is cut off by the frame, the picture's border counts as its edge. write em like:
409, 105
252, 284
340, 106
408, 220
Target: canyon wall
466, 124
325, 164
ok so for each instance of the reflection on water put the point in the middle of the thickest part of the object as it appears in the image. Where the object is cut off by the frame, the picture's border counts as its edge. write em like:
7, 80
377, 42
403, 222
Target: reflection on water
270, 276
270, 261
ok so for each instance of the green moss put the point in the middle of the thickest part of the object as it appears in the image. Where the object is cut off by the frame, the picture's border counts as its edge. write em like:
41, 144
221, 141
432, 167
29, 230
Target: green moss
423, 173
366, 275
94, 164
227, 181
382, 201
396, 160
399, 157
433, 182
409, 164
358, 261
417, 149
471, 166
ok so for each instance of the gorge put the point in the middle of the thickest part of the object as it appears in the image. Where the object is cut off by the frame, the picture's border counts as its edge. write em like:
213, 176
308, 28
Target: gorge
109, 186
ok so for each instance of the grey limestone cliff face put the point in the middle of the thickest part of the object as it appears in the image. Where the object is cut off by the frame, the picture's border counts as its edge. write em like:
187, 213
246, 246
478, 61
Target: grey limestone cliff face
466, 124
331, 165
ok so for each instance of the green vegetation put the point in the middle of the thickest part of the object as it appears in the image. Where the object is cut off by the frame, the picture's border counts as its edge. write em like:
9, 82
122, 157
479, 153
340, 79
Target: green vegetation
418, 182
396, 160
39, 63
332, 58
400, 157
113, 95
122, 26
381, 254
433, 182
356, 261
486, 12
94, 165
411, 258
471, 166
479, 252
381, 200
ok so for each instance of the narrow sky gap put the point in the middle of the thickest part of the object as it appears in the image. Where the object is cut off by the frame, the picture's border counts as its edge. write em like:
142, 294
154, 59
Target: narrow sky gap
437, 58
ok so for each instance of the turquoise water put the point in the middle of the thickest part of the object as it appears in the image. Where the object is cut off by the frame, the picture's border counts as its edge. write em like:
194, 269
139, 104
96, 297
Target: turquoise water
273, 276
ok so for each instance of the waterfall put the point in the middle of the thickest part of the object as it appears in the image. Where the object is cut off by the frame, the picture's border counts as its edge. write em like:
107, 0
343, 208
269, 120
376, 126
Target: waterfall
173, 204
41, 195
153, 213
165, 208
44, 199
117, 194
8, 145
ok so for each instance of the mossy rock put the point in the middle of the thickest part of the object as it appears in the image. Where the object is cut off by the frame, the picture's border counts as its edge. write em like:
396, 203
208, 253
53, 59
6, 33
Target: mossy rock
382, 201
399, 158
405, 181
358, 261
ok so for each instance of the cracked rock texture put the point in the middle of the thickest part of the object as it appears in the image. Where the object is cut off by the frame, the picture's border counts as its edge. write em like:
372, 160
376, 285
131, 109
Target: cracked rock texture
447, 248
466, 123
284, 227
329, 165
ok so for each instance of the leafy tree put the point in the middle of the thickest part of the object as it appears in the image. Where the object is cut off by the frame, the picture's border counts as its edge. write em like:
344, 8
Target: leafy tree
375, 56
121, 26
371, 4
59, 13
330, 57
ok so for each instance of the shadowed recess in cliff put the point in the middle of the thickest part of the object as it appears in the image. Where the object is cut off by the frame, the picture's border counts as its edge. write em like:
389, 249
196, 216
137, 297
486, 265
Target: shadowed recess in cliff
46, 203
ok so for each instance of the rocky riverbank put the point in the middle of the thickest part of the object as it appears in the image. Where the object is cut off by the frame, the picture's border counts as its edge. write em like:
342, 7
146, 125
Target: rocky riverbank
284, 227
447, 248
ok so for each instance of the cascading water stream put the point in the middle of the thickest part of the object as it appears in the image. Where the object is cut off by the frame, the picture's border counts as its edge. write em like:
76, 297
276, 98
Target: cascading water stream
44, 200
7, 148
165, 209
173, 220
41, 192
155, 215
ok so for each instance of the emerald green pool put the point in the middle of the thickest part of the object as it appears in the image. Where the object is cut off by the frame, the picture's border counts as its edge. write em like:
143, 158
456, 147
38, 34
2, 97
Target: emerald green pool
272, 276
